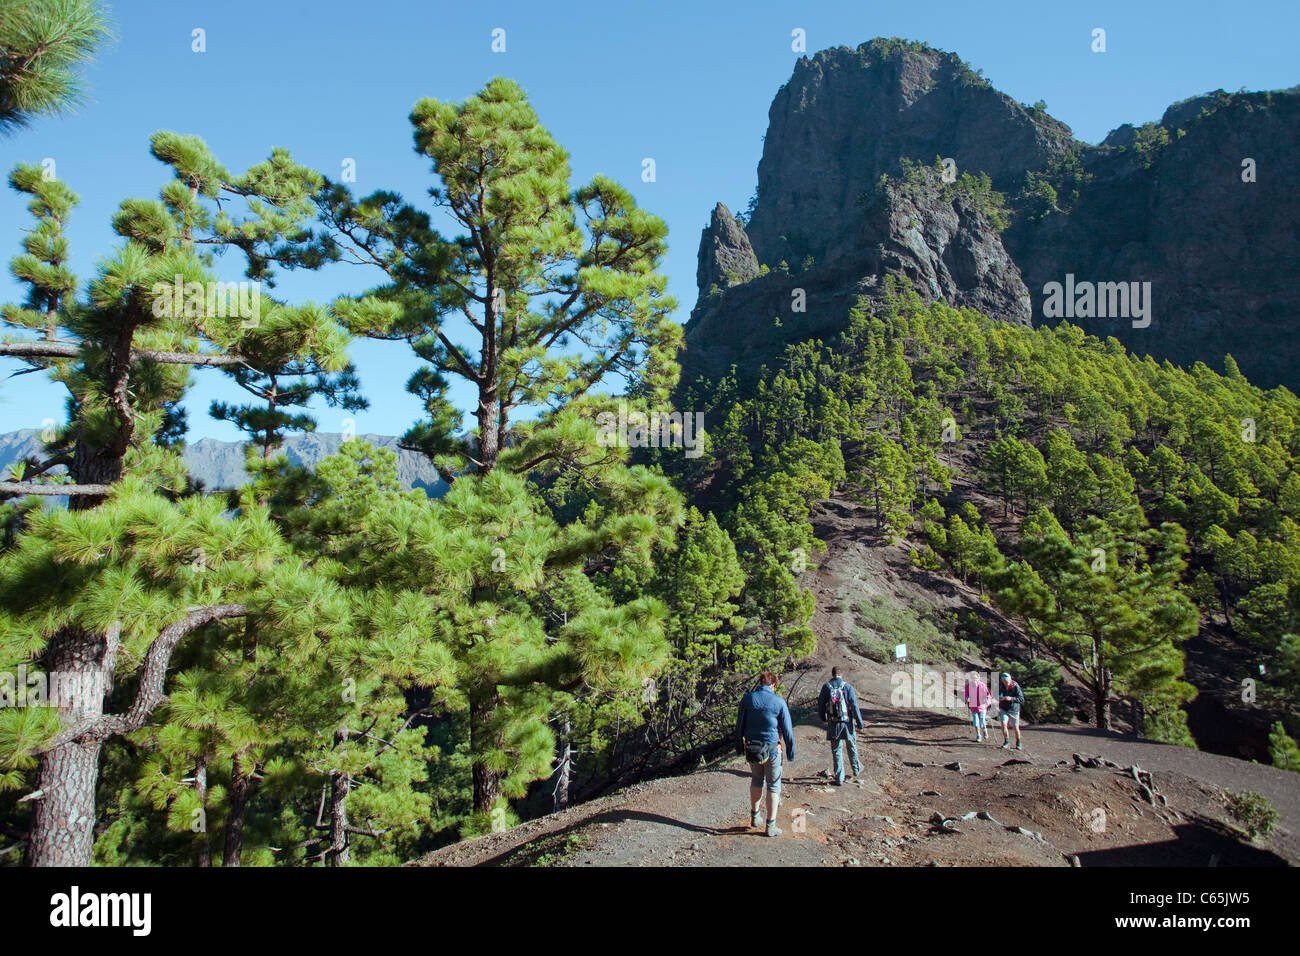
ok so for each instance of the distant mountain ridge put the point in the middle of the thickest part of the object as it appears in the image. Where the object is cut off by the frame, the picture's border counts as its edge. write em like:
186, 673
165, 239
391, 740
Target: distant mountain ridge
220, 464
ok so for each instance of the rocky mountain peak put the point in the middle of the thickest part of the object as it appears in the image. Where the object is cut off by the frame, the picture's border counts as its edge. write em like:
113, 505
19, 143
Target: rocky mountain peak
847, 116
1200, 208
726, 257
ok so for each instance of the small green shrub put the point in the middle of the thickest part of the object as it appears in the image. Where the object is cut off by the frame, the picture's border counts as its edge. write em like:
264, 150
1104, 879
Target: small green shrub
884, 624
1166, 721
1253, 811
926, 559
1283, 750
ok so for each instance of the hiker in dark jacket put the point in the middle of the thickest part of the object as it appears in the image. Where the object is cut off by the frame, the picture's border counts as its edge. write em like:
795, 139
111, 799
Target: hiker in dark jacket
1010, 697
838, 706
762, 726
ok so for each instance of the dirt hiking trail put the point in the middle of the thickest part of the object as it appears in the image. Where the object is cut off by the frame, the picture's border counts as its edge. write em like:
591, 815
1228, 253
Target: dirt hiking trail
918, 802
928, 795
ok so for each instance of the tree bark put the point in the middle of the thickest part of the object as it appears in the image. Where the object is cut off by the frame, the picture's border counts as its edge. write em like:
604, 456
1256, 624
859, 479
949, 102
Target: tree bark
72, 492
560, 795
63, 825
50, 349
1101, 701
241, 785
201, 789
340, 786
488, 446
483, 739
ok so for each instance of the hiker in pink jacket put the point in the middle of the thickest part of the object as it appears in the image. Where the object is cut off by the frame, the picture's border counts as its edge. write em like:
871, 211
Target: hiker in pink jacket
977, 699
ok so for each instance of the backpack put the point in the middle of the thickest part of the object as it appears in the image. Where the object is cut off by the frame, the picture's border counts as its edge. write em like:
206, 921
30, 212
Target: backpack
837, 708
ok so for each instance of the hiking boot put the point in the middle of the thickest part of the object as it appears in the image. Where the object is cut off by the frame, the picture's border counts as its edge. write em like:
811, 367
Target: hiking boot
1020, 745
772, 829
756, 819
1006, 744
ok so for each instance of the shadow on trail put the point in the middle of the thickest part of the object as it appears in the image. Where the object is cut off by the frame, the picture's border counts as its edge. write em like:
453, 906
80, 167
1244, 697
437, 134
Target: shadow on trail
1199, 843
530, 853
901, 727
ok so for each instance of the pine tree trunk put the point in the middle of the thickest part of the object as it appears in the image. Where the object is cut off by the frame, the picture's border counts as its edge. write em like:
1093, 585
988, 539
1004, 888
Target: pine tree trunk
240, 786
92, 466
340, 786
1101, 700
1101, 710
483, 740
489, 409
204, 857
63, 825
560, 796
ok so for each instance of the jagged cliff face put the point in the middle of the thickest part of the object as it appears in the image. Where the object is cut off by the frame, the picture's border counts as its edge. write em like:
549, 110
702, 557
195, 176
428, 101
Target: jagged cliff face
1220, 254
946, 247
847, 116
830, 231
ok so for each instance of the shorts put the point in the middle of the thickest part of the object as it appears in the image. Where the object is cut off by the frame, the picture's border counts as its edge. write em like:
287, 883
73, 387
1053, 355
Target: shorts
768, 772
1013, 715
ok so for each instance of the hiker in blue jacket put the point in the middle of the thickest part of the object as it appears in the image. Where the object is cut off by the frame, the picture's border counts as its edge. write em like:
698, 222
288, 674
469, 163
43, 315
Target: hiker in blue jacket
762, 725
838, 706
1010, 697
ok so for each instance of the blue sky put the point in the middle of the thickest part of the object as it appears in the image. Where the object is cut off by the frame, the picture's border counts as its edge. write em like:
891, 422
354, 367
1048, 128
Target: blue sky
686, 83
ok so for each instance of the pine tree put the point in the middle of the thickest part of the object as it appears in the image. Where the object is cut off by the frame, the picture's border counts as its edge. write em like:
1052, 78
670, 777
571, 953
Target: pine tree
559, 286
1283, 749
885, 479
43, 43
1107, 607
561, 291
124, 354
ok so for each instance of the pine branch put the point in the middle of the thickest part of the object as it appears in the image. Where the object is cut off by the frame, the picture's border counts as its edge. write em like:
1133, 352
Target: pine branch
26, 488
153, 675
46, 349
370, 833
54, 462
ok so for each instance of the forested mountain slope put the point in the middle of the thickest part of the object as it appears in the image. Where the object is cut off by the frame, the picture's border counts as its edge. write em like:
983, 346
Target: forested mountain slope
1119, 509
